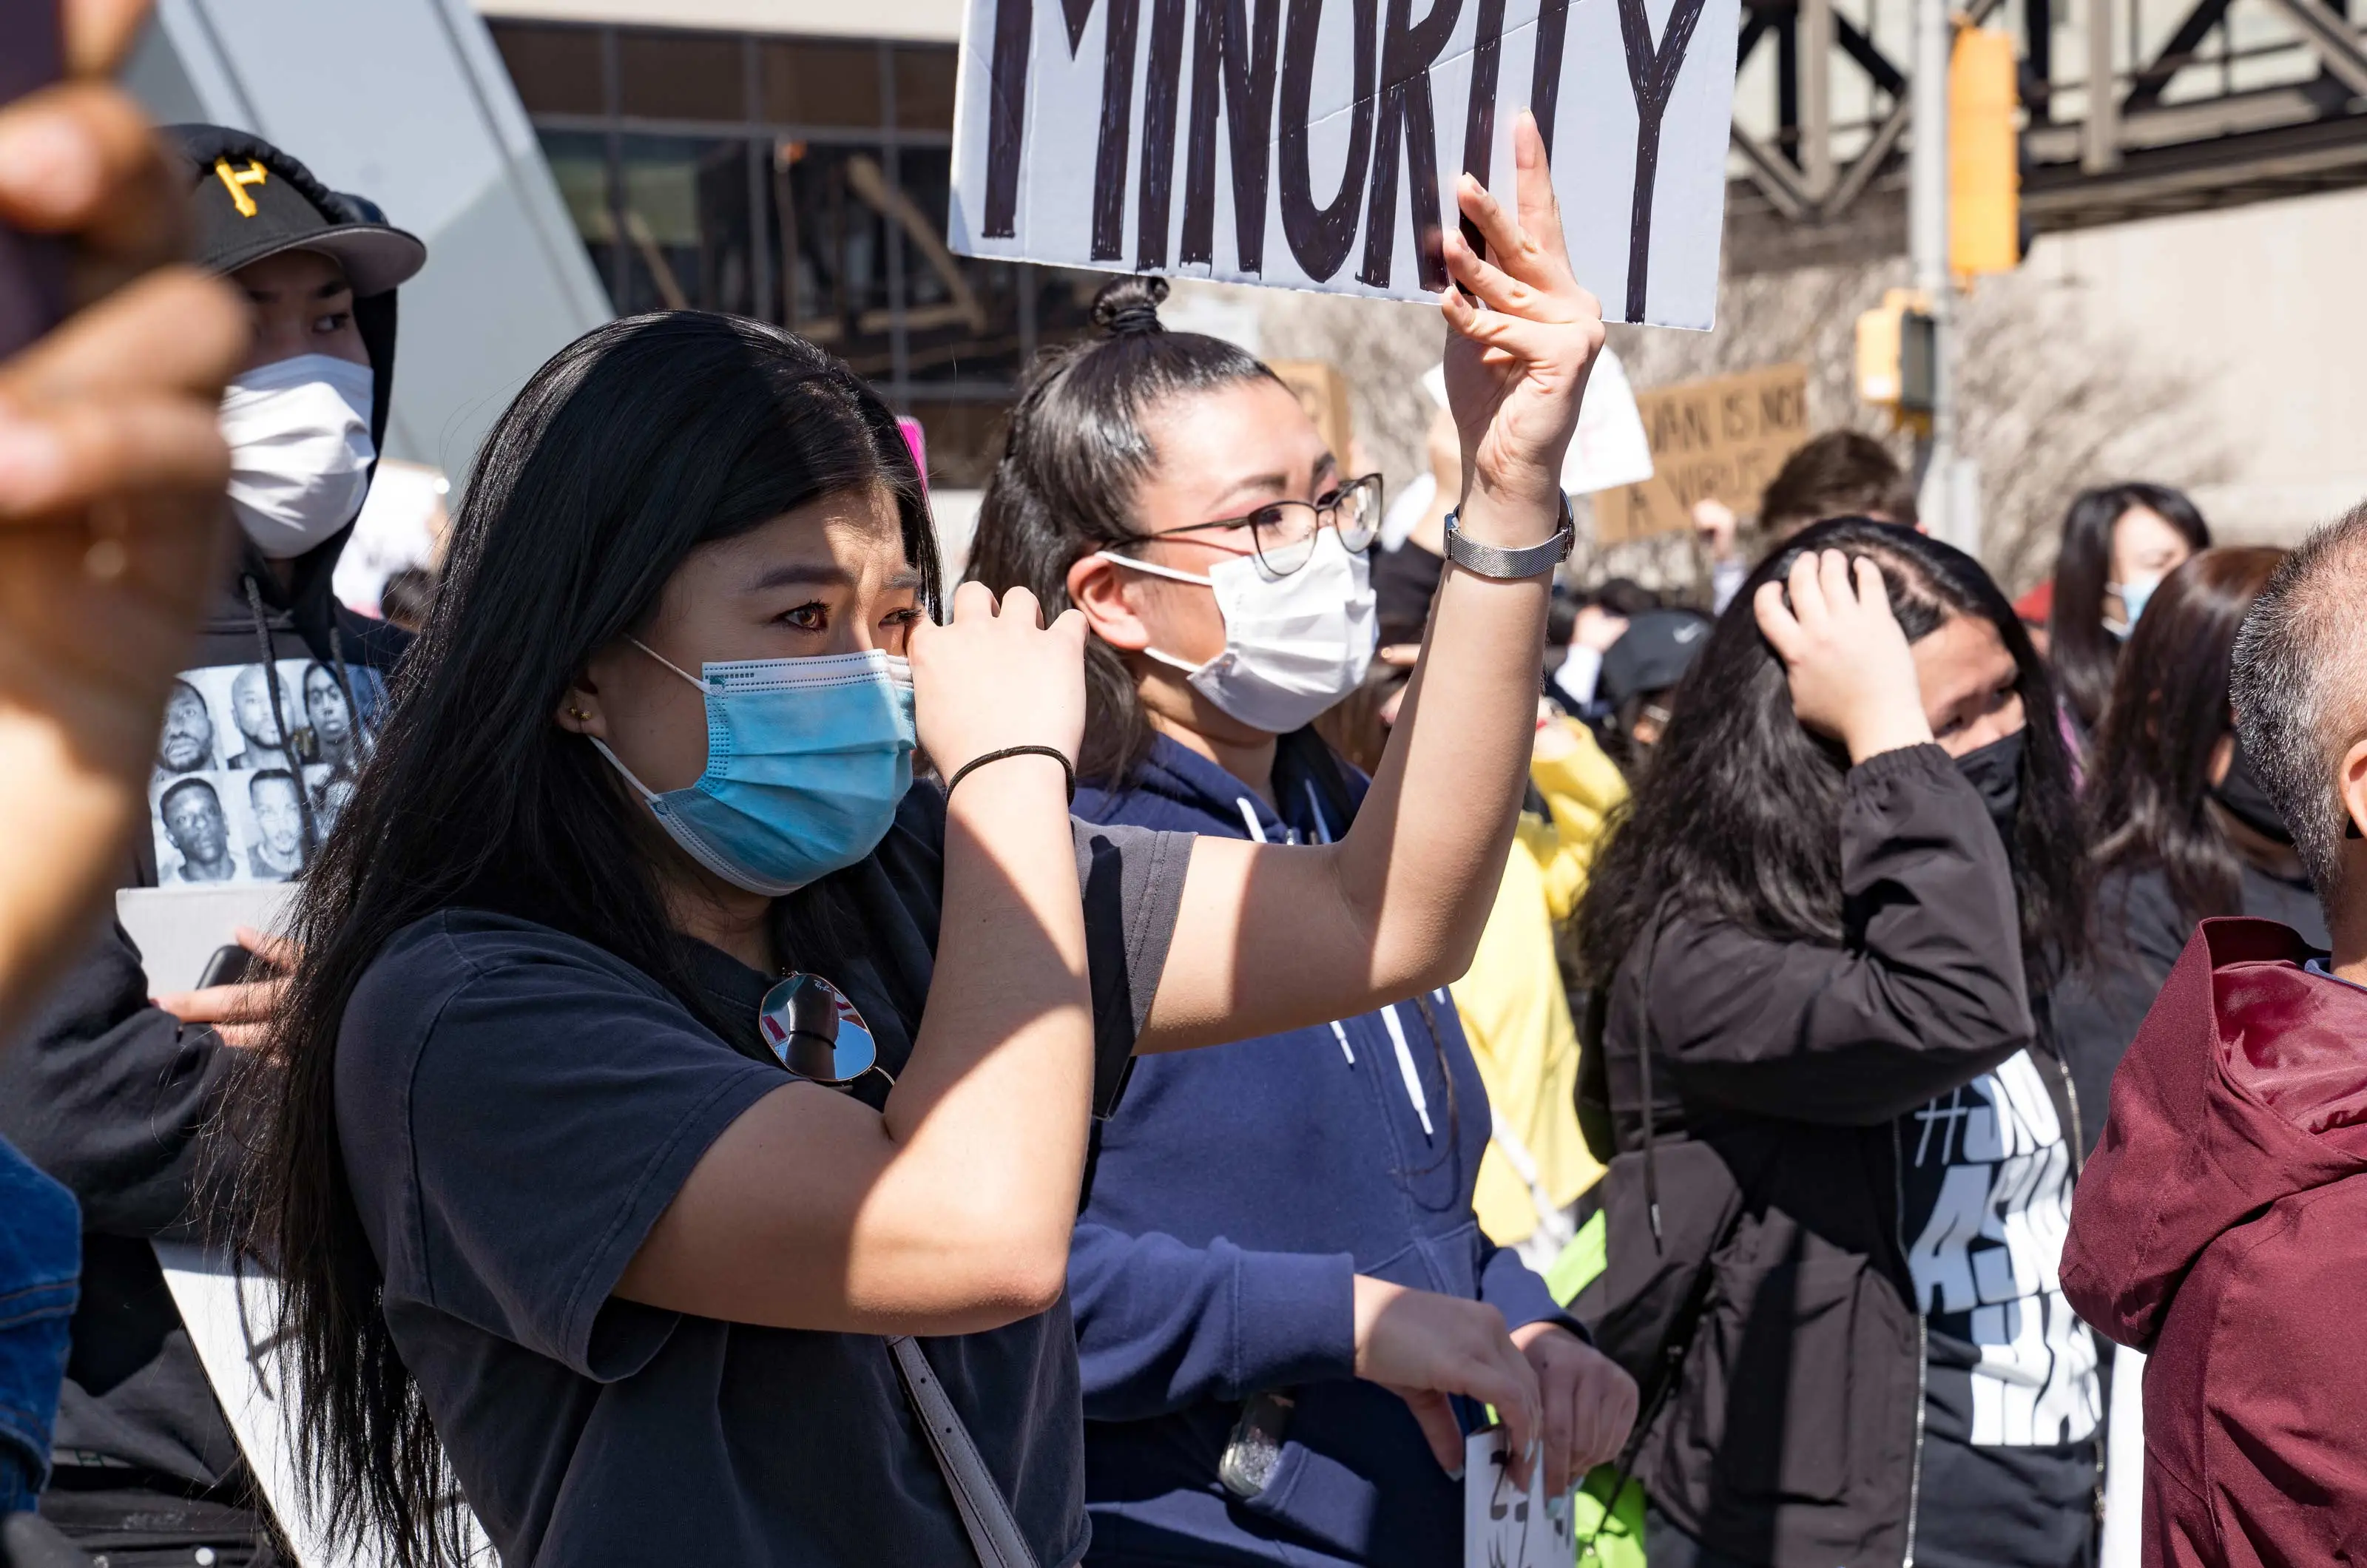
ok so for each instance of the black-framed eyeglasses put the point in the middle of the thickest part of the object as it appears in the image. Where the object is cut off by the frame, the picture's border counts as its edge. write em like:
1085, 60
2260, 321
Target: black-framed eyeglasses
1283, 532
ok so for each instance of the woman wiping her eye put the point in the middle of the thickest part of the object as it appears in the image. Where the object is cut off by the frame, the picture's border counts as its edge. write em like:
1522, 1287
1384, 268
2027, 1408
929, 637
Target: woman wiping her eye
1278, 1280
665, 1058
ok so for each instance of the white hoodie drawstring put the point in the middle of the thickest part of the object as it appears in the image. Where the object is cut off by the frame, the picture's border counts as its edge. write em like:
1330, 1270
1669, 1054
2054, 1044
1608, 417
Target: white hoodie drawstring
1314, 805
1405, 1069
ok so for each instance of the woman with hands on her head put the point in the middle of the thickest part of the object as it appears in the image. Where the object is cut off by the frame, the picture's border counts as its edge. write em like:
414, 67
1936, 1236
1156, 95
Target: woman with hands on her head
1278, 1281
662, 1056
1833, 921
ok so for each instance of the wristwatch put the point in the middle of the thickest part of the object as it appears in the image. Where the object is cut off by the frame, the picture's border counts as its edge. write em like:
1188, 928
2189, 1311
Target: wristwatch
1487, 561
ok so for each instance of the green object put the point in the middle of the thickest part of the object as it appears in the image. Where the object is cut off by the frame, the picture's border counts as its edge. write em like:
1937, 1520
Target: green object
1609, 1537
1588, 1254
1610, 1534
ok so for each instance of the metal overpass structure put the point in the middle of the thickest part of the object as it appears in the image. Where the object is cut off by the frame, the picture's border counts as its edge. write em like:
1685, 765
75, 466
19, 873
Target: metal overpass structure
2134, 109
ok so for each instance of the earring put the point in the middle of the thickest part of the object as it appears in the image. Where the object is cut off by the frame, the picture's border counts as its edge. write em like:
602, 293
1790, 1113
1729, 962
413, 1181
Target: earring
578, 715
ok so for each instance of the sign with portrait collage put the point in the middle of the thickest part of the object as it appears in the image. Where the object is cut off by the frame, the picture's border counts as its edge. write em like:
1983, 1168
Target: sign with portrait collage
239, 776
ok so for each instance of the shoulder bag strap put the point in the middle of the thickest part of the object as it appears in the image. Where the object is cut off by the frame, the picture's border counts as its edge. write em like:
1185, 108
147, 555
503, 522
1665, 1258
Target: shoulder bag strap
985, 1517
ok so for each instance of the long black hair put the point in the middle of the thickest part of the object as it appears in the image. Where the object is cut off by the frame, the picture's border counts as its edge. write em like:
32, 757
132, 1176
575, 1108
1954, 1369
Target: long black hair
2148, 792
1075, 455
639, 442
2083, 652
1739, 816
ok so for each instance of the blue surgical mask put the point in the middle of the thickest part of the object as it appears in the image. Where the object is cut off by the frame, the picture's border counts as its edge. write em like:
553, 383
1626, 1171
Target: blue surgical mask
806, 761
2133, 595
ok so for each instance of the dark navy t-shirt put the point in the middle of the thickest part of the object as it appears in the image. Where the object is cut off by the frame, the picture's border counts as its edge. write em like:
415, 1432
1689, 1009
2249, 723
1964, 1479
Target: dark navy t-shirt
518, 1106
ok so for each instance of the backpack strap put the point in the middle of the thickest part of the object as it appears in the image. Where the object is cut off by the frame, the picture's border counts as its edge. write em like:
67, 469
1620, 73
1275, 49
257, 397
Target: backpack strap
985, 1517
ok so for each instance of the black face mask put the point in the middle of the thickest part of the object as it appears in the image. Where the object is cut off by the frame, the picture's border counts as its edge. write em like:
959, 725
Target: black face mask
1995, 772
2241, 794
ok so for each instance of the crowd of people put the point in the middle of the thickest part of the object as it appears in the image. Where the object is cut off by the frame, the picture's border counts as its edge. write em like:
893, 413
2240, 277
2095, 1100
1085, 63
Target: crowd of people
769, 1057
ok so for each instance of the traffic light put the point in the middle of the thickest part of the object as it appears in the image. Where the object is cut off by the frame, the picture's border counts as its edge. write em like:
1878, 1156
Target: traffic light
1984, 171
1895, 358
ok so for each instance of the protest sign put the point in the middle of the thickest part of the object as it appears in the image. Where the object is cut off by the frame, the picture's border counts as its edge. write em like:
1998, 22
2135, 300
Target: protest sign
232, 1313
1505, 1526
1315, 143
178, 930
1720, 439
1608, 447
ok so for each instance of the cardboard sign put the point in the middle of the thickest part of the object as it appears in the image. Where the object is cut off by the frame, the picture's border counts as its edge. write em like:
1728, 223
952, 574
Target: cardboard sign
1504, 1526
1315, 143
1722, 439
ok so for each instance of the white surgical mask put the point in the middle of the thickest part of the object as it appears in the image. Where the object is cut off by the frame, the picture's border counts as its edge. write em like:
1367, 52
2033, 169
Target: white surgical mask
1294, 644
300, 450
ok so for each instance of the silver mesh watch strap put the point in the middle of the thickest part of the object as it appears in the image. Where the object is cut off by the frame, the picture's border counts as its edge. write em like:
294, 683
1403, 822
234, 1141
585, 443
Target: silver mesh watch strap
1489, 561
985, 1517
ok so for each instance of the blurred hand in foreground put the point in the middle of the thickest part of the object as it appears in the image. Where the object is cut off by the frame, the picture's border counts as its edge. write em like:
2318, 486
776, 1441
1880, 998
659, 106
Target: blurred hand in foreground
111, 484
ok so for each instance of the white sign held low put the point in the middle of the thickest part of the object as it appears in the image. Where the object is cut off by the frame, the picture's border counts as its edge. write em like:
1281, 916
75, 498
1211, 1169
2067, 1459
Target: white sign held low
1505, 1526
232, 1313
1315, 143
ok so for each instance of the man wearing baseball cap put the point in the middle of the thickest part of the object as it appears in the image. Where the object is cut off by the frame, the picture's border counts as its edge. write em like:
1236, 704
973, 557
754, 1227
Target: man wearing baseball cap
108, 1090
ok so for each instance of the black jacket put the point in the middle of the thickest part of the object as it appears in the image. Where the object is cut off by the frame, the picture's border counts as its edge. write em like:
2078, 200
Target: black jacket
1794, 1431
2097, 1008
111, 1096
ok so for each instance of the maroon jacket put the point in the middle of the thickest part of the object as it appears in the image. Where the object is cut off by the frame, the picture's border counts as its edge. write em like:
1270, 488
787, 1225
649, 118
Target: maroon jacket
2221, 1228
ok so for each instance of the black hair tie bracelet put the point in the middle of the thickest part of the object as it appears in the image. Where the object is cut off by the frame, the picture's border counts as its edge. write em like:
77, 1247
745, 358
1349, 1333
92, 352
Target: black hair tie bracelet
983, 758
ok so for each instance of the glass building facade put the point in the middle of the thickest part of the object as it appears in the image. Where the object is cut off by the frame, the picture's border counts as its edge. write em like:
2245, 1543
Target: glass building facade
800, 180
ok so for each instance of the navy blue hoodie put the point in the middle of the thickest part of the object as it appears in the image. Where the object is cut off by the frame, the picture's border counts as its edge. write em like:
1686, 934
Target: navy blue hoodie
1230, 1202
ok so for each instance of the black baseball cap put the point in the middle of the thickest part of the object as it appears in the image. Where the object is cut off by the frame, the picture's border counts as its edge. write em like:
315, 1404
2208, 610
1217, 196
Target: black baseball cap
1653, 654
249, 200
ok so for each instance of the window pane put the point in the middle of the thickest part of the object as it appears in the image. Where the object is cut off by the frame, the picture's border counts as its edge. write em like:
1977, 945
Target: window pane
823, 84
556, 70
828, 205
925, 88
579, 161
681, 76
962, 316
686, 230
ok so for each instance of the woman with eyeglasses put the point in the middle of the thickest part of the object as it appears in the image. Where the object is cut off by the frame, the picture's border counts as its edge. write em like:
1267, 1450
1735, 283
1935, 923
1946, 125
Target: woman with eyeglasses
1278, 1283
675, 1128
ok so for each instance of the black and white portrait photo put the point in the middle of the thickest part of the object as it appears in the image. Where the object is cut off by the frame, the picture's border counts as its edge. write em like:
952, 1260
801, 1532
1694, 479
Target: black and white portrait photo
235, 781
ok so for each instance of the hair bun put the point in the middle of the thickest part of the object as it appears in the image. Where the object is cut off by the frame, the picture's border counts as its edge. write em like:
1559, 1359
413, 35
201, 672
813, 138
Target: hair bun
1127, 306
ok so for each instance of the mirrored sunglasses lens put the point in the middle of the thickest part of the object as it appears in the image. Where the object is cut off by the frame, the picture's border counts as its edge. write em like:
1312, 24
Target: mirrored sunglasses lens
815, 1032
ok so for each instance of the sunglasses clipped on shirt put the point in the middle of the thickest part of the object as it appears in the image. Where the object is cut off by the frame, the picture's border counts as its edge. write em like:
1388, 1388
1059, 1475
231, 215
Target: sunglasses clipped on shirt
1283, 532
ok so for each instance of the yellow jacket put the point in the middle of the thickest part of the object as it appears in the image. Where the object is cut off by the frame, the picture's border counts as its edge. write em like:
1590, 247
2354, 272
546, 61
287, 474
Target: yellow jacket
1511, 1001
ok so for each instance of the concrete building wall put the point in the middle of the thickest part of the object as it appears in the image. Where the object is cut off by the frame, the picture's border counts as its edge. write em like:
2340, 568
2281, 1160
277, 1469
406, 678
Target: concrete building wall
2265, 304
